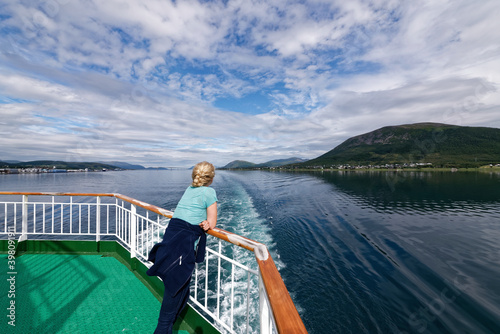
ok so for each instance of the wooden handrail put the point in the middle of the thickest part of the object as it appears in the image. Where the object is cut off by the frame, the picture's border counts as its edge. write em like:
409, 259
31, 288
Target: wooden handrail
49, 193
284, 311
150, 207
154, 208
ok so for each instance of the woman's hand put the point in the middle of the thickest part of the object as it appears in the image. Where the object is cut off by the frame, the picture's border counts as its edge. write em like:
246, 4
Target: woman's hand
205, 225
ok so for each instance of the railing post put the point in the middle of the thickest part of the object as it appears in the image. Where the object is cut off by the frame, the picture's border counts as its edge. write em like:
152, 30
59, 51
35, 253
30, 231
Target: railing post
133, 229
98, 220
24, 232
263, 309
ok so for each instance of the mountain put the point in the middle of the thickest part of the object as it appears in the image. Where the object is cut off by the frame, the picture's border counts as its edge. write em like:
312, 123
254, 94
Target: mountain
10, 161
124, 165
237, 164
440, 144
155, 168
73, 165
49, 164
281, 162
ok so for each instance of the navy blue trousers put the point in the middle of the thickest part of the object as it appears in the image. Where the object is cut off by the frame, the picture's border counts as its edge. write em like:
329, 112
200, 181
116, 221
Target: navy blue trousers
170, 309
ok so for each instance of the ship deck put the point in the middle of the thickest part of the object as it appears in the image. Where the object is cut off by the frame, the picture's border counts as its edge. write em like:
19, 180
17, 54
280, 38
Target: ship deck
80, 263
73, 293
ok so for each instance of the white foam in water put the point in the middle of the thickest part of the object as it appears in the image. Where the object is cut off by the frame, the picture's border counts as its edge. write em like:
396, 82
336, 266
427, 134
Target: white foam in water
238, 214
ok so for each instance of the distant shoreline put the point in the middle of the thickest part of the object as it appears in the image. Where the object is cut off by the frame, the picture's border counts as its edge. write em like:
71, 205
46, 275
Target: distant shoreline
440, 169
16, 171
274, 169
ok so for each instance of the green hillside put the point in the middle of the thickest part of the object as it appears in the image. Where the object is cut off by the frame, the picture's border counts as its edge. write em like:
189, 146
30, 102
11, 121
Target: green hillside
236, 164
440, 144
241, 164
49, 164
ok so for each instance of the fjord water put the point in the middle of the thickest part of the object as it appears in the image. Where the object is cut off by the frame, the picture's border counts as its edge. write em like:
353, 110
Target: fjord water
360, 252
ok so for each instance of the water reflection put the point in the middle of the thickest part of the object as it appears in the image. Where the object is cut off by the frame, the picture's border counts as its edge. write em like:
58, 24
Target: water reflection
418, 191
392, 245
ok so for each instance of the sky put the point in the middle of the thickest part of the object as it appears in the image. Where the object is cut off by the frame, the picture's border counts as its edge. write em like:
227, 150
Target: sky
172, 83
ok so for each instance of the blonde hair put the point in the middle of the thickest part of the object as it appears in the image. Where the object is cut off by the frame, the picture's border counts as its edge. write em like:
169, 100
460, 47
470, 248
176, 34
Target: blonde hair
203, 173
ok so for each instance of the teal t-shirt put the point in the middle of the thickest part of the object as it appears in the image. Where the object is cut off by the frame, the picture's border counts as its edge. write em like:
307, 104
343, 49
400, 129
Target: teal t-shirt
194, 203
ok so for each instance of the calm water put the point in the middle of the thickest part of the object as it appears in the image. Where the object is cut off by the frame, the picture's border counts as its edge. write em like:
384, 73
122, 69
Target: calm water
360, 252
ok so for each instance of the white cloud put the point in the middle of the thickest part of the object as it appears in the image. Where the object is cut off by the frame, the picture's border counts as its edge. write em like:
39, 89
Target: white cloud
138, 81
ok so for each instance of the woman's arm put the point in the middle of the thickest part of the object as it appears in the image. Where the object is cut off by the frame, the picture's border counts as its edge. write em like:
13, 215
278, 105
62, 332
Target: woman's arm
211, 217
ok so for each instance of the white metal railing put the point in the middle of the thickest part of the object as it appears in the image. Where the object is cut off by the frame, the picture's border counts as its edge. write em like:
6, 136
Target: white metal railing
222, 285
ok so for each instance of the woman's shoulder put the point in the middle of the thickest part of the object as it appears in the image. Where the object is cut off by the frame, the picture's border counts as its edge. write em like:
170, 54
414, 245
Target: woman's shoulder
207, 189
202, 189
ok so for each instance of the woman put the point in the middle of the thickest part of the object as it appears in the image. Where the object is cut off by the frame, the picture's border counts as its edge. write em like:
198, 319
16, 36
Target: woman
183, 244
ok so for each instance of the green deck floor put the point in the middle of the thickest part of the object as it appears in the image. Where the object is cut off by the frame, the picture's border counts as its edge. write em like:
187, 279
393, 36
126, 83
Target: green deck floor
76, 294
